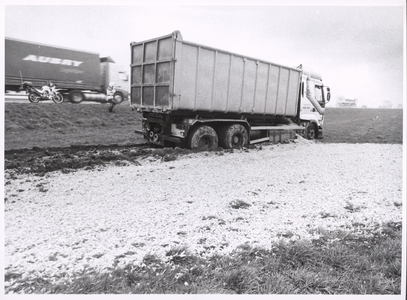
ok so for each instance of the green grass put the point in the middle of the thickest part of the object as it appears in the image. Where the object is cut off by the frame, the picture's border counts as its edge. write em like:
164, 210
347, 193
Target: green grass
49, 125
367, 125
338, 263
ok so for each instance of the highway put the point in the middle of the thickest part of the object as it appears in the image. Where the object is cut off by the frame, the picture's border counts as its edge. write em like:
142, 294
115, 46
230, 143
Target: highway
23, 98
16, 98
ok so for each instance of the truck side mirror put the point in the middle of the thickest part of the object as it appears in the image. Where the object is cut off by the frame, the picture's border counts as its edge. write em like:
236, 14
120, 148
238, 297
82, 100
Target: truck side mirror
328, 94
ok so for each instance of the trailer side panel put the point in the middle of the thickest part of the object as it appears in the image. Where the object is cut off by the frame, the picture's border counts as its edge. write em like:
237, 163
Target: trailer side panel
202, 78
40, 63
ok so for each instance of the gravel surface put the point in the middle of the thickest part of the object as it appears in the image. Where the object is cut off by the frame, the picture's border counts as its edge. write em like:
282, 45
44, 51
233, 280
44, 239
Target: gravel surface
64, 223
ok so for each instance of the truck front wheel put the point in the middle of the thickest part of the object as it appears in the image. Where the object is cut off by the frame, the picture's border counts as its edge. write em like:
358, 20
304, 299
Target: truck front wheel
310, 131
234, 136
203, 138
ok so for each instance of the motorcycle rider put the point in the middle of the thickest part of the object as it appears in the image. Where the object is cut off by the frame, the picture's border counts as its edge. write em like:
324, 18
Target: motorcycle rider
110, 96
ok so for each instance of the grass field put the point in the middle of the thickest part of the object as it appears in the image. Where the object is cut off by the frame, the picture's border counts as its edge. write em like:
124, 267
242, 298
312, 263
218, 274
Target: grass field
50, 125
368, 125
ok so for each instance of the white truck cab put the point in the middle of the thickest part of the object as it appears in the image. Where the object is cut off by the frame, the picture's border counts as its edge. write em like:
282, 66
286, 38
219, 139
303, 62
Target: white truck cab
314, 96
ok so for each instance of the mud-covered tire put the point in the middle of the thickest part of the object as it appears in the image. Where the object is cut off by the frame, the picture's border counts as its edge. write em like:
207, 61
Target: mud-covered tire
234, 136
202, 138
33, 98
76, 96
310, 132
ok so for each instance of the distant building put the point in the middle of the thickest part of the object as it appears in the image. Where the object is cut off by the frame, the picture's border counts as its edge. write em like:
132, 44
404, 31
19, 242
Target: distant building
386, 104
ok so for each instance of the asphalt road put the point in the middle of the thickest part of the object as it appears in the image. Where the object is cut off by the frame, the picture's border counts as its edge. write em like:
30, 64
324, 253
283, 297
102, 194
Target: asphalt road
23, 98
16, 98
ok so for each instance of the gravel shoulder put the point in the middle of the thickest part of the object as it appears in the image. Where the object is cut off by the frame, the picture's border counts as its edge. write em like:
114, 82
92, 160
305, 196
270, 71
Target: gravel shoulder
64, 223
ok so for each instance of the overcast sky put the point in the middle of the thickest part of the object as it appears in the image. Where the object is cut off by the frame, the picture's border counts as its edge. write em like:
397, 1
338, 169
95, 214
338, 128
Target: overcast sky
358, 50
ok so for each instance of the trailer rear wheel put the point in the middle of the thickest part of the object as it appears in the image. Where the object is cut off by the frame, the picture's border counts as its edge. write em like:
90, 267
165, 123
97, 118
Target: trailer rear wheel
311, 131
203, 138
234, 136
76, 96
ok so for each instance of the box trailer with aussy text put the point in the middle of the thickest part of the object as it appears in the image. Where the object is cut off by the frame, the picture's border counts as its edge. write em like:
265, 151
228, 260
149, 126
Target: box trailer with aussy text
81, 75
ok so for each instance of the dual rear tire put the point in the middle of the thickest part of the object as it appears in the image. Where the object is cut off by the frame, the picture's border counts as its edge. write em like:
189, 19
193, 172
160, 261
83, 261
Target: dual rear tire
233, 136
204, 137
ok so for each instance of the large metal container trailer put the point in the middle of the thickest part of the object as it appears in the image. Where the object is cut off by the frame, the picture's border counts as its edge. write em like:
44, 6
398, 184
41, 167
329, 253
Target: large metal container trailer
81, 74
199, 96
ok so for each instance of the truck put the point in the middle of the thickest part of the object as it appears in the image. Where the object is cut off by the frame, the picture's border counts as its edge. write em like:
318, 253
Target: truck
79, 75
199, 97
346, 102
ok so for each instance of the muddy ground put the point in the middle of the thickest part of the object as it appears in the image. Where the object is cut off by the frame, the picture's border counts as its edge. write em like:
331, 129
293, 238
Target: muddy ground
39, 161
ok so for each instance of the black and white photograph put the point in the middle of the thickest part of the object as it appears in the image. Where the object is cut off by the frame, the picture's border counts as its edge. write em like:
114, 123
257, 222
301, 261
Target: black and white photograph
204, 148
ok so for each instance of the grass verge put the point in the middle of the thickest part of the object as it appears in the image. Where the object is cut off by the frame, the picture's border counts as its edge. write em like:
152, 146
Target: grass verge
49, 125
46, 125
337, 263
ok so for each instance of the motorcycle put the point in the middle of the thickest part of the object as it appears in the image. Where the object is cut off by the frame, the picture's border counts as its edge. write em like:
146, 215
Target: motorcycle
46, 93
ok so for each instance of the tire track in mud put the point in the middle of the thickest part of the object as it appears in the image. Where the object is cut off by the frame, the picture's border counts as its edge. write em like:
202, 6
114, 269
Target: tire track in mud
40, 161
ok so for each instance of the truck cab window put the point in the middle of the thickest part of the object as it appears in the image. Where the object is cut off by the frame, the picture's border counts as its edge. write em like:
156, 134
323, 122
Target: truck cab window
318, 93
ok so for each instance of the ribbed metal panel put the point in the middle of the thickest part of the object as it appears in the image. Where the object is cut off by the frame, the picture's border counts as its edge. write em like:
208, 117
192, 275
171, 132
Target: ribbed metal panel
213, 80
